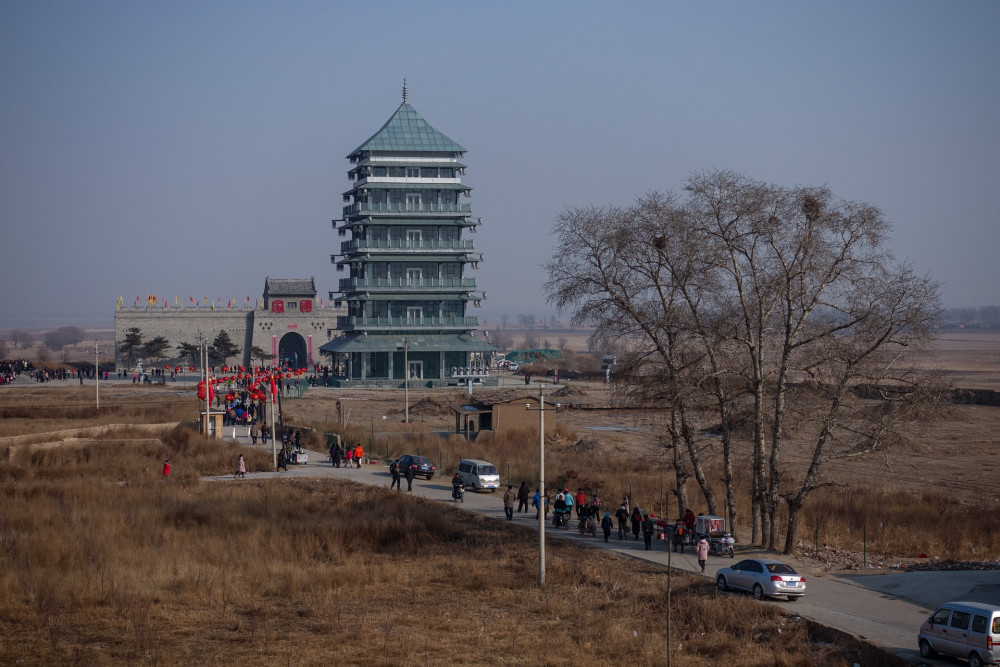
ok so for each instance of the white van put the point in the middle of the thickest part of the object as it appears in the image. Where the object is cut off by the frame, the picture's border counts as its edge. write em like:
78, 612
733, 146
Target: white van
479, 475
969, 630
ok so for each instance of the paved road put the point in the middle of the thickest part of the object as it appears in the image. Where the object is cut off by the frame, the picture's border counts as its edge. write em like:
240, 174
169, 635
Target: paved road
884, 609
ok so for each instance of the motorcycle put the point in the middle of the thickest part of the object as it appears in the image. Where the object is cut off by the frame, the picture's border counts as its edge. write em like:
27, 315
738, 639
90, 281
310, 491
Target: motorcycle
458, 493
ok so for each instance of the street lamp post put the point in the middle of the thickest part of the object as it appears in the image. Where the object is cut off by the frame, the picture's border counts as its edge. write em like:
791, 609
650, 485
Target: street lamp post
97, 377
406, 381
541, 481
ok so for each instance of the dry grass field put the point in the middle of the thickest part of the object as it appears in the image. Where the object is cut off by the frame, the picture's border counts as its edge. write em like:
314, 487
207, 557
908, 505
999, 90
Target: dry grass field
105, 563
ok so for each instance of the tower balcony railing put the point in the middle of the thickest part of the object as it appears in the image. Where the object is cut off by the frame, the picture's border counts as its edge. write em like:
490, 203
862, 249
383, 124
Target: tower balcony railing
406, 209
352, 284
405, 244
388, 323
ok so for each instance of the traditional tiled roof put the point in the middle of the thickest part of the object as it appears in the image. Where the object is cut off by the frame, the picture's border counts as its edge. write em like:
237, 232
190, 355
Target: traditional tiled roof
290, 287
408, 131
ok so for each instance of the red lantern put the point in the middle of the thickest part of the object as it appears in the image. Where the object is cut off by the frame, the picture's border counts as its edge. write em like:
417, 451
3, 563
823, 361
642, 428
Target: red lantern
190, 368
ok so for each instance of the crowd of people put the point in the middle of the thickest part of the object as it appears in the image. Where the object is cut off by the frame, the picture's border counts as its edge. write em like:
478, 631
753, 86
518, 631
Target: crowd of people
11, 368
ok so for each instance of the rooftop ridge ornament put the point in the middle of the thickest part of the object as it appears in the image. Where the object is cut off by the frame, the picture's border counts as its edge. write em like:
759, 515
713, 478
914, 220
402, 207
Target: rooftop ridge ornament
404, 90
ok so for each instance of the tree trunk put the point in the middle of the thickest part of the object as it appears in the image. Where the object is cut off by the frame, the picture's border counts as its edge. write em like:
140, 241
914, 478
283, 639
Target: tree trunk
696, 467
791, 530
680, 471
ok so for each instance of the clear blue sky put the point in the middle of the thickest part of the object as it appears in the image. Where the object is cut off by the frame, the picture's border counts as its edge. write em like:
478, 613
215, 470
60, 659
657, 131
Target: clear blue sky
194, 148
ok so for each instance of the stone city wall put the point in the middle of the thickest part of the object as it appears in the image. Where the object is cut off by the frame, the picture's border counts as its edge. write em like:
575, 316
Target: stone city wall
246, 328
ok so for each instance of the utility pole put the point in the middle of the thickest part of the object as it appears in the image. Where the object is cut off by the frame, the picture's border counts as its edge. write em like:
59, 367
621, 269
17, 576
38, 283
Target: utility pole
541, 481
406, 380
97, 377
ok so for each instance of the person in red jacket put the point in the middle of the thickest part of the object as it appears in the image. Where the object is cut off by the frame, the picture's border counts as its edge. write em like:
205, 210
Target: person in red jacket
581, 500
166, 468
358, 454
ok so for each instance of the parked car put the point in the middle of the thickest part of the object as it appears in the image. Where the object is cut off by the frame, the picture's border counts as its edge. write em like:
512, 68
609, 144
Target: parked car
764, 578
420, 465
969, 630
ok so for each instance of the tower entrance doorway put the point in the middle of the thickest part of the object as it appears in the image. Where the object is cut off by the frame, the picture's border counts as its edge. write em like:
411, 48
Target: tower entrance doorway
292, 351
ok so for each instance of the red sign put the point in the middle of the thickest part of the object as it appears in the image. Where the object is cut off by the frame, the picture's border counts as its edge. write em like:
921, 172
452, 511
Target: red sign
305, 306
277, 306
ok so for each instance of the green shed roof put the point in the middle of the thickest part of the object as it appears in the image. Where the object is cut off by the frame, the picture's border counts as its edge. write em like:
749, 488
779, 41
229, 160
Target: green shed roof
407, 131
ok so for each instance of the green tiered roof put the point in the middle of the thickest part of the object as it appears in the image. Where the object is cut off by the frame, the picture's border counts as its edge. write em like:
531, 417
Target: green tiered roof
408, 131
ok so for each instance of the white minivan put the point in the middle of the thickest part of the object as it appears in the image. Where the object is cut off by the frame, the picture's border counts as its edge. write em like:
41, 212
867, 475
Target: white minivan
969, 630
479, 475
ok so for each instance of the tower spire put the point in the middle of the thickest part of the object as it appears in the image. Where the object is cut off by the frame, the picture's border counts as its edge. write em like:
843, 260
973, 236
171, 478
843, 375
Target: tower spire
404, 90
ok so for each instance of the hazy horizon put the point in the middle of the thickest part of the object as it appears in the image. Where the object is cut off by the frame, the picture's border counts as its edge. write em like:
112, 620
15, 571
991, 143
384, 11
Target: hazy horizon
193, 149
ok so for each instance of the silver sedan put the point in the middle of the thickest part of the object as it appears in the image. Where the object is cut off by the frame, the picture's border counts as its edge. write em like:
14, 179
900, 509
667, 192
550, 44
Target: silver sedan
764, 578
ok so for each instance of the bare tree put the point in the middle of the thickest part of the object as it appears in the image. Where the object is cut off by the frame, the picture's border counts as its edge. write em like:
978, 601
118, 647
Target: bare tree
746, 289
21, 338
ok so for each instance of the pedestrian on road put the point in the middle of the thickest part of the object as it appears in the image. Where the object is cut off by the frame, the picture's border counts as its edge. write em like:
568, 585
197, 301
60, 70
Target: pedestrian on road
636, 522
254, 432
568, 499
702, 550
622, 516
241, 467
606, 525
522, 497
508, 502
358, 454
679, 535
536, 503
581, 499
348, 456
647, 531
265, 433
394, 471
409, 478
282, 460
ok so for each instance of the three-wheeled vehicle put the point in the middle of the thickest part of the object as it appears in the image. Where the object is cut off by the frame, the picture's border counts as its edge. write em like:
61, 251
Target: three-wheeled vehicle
714, 528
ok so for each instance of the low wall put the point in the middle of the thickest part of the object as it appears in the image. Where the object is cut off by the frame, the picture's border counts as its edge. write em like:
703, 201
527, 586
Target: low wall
29, 440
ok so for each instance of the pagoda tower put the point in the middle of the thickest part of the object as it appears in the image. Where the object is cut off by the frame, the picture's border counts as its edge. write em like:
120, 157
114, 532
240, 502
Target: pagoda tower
407, 288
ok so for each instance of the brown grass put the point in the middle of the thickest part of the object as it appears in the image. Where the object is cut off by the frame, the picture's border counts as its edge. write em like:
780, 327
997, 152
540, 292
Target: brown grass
105, 563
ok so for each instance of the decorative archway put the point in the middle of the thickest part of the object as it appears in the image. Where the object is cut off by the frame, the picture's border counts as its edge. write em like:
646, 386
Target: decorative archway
292, 350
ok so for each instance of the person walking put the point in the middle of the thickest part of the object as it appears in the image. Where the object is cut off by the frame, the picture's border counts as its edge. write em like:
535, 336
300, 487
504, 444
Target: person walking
166, 469
568, 500
581, 499
241, 467
348, 456
508, 502
636, 522
678, 535
537, 504
358, 454
254, 433
265, 433
647, 531
282, 460
622, 516
523, 495
409, 478
394, 472
606, 525
702, 550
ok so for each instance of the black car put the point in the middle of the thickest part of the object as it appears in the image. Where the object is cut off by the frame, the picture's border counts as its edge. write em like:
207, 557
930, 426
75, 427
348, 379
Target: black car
420, 465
